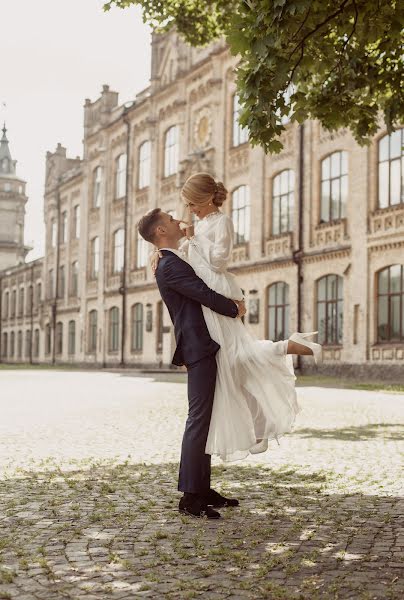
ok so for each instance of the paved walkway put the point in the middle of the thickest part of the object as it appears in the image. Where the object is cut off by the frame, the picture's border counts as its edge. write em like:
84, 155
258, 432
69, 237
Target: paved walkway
88, 501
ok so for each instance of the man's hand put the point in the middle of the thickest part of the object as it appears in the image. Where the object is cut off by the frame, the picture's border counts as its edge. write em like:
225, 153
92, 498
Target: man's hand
241, 308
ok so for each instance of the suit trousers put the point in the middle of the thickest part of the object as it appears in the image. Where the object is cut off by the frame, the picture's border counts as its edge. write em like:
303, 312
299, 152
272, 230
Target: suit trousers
194, 475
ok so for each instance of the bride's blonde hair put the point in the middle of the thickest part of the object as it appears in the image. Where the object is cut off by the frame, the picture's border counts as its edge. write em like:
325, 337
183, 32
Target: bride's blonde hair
201, 188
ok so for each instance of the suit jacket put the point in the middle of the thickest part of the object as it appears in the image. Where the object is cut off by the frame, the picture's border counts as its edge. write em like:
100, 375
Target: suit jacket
183, 292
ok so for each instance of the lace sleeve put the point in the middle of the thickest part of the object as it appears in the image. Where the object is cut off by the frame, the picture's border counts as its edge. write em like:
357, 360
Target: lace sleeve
218, 253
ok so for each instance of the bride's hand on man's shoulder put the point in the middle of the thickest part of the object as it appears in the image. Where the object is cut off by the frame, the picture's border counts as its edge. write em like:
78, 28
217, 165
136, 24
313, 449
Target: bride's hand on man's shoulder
154, 259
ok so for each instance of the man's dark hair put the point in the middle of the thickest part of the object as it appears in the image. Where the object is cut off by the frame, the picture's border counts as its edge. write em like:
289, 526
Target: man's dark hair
148, 223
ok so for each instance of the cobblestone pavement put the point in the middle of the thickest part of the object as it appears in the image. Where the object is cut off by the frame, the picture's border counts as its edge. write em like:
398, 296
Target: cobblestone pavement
88, 501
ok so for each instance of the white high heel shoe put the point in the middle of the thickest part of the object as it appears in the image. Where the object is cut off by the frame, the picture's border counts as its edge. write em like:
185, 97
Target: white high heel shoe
261, 446
317, 349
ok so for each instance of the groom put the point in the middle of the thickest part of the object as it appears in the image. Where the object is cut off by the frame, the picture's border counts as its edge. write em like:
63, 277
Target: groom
183, 293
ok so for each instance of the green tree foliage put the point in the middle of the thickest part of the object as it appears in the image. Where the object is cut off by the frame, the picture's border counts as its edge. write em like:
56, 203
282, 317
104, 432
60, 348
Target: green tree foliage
338, 61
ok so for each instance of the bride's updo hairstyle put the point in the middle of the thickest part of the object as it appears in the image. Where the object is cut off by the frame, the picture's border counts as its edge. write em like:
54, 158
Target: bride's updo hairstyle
201, 188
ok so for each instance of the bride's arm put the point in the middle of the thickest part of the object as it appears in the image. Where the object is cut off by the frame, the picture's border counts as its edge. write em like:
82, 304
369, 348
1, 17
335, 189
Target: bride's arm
218, 253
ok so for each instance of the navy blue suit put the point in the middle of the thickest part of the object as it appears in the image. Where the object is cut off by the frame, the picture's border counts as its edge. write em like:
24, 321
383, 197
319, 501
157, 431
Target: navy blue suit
184, 292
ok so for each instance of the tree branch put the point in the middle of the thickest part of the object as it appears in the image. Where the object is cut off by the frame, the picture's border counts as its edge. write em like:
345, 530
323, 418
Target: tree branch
354, 25
319, 26
302, 24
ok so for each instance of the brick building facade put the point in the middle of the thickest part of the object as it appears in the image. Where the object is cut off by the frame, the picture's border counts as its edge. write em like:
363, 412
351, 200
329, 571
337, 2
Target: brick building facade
319, 227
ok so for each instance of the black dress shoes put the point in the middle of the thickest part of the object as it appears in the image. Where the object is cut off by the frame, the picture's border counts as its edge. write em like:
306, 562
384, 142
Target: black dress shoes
195, 505
215, 499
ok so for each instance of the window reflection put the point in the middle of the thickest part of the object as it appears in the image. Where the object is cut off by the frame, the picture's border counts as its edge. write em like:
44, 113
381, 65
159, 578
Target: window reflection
391, 169
334, 187
241, 214
390, 304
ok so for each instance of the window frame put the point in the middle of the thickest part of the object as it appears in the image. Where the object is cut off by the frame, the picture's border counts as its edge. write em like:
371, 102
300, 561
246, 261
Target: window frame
283, 333
389, 161
144, 166
283, 198
241, 213
137, 327
337, 326
390, 295
171, 151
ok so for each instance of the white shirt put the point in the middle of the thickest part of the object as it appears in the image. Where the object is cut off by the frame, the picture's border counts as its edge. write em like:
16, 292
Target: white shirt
179, 253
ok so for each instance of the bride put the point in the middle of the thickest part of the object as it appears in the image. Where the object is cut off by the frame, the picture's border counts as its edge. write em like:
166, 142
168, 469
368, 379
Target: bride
255, 397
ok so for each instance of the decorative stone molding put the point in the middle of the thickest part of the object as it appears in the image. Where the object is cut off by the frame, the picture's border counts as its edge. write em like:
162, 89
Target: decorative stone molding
118, 208
239, 160
202, 160
326, 136
279, 247
202, 128
168, 185
287, 138
387, 353
331, 354
204, 89
327, 255
387, 220
94, 216
240, 254
330, 234
380, 248
137, 276
142, 198
92, 287
172, 109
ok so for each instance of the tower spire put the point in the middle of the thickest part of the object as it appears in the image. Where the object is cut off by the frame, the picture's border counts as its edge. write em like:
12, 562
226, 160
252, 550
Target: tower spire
7, 164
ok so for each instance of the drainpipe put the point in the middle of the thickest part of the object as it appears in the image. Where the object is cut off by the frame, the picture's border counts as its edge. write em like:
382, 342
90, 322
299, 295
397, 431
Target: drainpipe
123, 289
54, 303
298, 254
31, 313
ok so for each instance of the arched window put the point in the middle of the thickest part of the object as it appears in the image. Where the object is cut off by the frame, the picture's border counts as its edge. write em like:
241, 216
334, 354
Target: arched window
48, 339
6, 305
120, 176
21, 301
118, 250
278, 311
334, 187
92, 331
59, 338
12, 344
330, 309
13, 306
171, 151
63, 227
114, 329
4, 350
28, 343
391, 169
94, 257
36, 343
71, 344
283, 202
53, 233
144, 165
38, 293
137, 327
19, 344
240, 134
61, 284
240, 212
390, 304
97, 187
142, 252
76, 222
50, 283
74, 279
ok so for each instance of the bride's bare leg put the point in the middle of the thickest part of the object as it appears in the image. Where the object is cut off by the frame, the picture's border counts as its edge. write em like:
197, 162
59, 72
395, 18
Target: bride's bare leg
295, 348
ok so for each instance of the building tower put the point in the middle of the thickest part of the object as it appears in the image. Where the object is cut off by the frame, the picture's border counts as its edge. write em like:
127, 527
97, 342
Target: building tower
12, 209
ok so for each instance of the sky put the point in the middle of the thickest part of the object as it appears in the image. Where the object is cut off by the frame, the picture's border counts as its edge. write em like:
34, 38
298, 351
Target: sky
54, 54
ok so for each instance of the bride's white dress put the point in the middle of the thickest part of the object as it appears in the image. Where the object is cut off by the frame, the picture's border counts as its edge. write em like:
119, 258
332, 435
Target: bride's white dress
255, 395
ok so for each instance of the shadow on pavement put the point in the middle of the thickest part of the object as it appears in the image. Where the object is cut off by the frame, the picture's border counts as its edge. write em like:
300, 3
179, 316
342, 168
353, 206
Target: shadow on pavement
371, 431
107, 530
